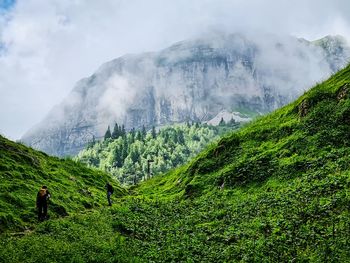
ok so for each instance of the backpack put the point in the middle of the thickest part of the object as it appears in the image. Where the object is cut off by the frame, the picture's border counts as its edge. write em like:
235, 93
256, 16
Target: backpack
42, 193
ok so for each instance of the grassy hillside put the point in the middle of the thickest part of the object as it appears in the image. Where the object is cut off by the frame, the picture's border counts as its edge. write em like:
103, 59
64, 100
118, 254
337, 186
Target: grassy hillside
23, 171
310, 135
278, 190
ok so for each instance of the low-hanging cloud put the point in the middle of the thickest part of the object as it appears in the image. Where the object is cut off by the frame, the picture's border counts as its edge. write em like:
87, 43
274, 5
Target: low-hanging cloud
114, 101
46, 46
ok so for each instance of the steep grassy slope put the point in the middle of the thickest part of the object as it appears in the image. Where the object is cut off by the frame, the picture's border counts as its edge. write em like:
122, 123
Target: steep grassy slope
311, 135
278, 190
23, 171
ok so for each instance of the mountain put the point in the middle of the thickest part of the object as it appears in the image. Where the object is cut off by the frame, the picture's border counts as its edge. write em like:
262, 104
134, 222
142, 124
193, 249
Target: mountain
190, 81
74, 188
335, 49
277, 190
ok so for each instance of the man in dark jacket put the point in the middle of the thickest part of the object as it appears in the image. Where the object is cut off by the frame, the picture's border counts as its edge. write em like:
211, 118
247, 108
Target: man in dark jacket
109, 189
41, 202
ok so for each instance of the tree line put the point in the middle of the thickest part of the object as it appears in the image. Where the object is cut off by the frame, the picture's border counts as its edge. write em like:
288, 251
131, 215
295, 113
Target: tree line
125, 154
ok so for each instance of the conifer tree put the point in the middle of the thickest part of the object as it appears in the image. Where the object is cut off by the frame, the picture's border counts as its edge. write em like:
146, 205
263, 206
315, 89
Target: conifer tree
232, 122
108, 133
154, 133
122, 131
166, 137
135, 155
174, 136
115, 133
125, 151
222, 122
144, 132
118, 157
132, 135
180, 137
138, 136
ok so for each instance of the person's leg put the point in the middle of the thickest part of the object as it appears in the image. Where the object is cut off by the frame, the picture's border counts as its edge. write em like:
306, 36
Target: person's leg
40, 211
44, 211
109, 198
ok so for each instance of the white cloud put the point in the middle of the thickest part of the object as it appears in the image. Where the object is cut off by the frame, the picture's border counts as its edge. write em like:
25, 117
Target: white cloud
52, 44
117, 96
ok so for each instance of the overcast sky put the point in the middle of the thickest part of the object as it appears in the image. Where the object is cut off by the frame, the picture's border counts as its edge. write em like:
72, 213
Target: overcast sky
48, 45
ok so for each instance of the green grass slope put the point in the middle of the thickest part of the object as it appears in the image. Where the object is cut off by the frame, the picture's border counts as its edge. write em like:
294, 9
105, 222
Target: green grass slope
308, 136
23, 171
277, 190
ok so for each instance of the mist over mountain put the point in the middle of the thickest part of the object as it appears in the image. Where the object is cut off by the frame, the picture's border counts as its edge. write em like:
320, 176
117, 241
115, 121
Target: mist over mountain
192, 80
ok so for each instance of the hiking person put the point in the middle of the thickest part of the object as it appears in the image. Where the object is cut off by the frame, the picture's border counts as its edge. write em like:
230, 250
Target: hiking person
41, 202
110, 191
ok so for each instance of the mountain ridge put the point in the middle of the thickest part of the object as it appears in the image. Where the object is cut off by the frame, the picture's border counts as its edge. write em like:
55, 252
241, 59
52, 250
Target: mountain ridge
189, 81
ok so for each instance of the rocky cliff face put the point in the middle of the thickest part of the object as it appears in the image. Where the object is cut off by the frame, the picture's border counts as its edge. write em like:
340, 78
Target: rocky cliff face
191, 80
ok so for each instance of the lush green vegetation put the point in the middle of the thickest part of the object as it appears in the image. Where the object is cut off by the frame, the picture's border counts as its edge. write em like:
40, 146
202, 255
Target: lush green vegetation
277, 190
126, 154
23, 171
284, 180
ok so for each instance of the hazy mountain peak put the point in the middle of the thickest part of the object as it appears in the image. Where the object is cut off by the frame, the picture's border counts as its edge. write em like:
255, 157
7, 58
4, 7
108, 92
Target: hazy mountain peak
191, 80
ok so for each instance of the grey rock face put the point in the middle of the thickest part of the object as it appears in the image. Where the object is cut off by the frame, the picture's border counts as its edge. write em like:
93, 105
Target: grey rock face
191, 80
